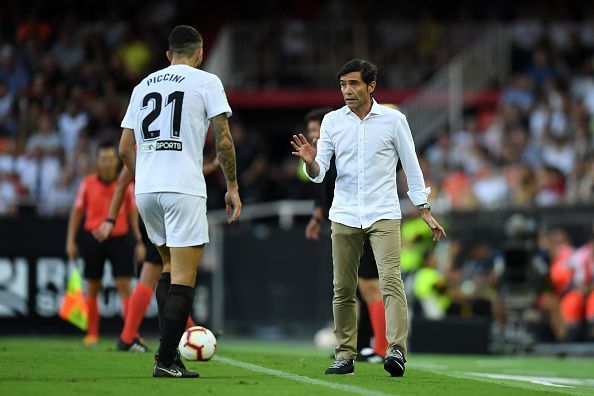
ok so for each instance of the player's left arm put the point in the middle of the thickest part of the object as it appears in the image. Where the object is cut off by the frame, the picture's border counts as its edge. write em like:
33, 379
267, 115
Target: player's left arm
225, 150
127, 149
418, 192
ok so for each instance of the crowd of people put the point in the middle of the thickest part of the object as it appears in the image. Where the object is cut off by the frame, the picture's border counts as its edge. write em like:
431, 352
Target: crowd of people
64, 85
533, 149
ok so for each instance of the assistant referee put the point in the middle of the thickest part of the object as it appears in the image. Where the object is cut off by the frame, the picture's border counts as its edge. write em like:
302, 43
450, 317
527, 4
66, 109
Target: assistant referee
92, 202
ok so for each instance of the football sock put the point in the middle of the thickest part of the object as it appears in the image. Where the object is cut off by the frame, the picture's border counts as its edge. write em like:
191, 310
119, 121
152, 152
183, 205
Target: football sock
93, 323
161, 295
139, 302
378, 322
190, 322
175, 315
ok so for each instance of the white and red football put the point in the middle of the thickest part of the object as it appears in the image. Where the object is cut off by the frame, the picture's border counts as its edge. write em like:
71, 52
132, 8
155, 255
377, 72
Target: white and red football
197, 343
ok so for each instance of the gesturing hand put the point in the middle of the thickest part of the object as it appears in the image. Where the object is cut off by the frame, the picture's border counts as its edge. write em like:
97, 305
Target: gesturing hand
303, 149
437, 231
104, 231
233, 205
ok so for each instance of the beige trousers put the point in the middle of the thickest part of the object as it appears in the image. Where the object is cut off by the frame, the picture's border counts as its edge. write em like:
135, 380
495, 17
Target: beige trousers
347, 248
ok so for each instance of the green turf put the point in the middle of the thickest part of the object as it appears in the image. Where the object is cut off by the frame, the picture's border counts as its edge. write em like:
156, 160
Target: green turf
61, 366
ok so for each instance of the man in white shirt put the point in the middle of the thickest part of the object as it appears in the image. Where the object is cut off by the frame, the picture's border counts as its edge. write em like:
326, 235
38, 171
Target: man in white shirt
162, 142
367, 140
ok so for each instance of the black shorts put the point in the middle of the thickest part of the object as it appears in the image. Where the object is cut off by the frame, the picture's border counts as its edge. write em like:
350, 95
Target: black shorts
119, 251
152, 254
367, 266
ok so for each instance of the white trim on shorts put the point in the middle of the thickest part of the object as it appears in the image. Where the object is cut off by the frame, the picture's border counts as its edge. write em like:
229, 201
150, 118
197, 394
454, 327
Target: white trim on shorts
174, 219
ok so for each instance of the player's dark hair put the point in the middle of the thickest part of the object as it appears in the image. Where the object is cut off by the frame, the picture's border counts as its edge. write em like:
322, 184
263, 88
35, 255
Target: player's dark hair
107, 145
317, 114
368, 70
184, 40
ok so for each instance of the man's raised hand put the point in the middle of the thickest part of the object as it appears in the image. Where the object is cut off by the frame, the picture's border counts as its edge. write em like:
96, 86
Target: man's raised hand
303, 149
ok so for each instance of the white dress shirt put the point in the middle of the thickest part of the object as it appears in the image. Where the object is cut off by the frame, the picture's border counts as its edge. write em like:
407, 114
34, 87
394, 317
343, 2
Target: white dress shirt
367, 152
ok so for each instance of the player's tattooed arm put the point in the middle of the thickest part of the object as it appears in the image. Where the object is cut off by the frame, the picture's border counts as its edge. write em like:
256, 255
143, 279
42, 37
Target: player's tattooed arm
224, 146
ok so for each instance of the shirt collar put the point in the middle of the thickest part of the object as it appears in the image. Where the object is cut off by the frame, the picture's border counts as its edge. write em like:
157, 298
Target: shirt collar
376, 108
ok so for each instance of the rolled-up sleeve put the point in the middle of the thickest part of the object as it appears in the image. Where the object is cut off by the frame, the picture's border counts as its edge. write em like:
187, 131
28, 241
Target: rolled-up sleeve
417, 191
325, 152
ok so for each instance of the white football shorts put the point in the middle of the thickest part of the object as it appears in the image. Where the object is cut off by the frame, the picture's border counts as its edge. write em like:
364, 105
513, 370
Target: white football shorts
174, 219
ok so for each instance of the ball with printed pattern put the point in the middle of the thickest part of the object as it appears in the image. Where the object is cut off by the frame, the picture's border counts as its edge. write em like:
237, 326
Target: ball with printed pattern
198, 343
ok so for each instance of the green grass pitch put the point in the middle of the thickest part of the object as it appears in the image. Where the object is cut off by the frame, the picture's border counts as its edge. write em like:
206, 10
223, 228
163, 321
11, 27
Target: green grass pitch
61, 366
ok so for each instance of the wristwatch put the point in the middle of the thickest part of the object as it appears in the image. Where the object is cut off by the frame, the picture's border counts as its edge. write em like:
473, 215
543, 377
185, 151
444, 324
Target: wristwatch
426, 205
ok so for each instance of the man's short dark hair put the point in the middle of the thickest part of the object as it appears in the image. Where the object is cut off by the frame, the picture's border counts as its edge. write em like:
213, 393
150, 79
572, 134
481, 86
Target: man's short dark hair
368, 70
106, 145
184, 40
317, 114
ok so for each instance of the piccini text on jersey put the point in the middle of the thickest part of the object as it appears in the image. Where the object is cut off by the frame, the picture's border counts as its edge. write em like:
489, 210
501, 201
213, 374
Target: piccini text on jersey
165, 77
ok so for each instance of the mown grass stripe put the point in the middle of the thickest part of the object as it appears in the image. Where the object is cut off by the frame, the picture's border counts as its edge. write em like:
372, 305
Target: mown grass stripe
299, 378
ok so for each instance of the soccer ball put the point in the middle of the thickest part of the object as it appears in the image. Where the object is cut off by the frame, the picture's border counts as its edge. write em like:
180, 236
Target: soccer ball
325, 339
198, 343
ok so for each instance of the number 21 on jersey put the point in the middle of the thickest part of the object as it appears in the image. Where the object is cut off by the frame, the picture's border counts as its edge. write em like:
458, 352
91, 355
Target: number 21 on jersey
175, 99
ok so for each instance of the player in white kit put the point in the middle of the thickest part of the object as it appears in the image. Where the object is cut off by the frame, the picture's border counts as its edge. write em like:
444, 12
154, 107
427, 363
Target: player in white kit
163, 136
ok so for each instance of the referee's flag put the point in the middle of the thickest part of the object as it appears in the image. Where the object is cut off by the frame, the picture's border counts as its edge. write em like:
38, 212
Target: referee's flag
73, 308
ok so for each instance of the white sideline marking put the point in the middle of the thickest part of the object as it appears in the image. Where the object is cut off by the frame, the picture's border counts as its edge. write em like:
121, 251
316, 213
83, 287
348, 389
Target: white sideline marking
558, 382
298, 378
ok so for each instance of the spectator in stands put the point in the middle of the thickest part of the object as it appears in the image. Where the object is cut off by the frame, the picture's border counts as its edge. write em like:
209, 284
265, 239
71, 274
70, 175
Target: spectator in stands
39, 170
558, 152
60, 196
523, 185
457, 187
542, 69
46, 140
68, 51
8, 124
581, 186
490, 187
520, 93
135, 54
8, 195
551, 186
70, 123
16, 76
438, 157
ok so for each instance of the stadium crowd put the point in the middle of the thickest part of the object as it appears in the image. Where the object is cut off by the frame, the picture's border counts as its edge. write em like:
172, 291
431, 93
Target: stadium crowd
64, 83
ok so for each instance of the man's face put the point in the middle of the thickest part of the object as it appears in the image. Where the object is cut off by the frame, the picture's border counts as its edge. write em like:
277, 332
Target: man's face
107, 161
313, 130
356, 93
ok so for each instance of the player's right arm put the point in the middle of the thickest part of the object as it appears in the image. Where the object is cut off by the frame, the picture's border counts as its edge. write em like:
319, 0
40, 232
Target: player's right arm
127, 149
226, 157
104, 230
75, 220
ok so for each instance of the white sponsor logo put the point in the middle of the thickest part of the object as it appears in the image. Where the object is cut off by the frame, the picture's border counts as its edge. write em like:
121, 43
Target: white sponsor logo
148, 147
14, 292
169, 145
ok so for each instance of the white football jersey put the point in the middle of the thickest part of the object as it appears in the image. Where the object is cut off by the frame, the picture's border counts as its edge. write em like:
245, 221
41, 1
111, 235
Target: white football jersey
169, 112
